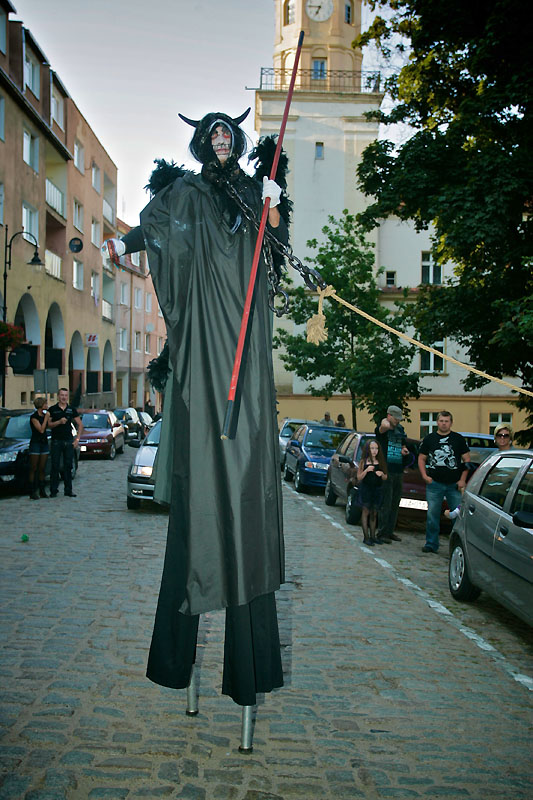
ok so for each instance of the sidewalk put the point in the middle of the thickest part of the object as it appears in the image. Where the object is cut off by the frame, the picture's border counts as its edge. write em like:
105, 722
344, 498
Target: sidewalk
383, 697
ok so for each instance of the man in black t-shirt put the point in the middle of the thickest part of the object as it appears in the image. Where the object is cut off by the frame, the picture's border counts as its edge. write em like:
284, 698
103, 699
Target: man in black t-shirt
442, 463
62, 416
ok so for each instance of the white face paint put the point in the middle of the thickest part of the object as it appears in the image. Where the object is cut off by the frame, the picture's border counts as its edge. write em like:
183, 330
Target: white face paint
221, 142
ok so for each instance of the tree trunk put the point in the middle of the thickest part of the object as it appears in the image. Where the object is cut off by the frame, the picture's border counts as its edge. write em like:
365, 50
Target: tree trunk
354, 412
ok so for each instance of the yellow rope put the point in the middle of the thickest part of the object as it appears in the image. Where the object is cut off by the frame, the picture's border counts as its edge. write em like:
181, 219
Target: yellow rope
317, 332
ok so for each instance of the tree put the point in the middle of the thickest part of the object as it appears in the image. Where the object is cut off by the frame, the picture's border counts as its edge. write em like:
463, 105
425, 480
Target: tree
466, 90
358, 357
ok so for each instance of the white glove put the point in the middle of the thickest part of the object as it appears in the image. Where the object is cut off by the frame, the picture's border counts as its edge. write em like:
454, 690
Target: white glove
118, 244
272, 190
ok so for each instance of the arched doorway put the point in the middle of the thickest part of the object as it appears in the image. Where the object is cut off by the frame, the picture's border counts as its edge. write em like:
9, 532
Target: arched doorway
76, 367
107, 372
54, 340
93, 370
27, 318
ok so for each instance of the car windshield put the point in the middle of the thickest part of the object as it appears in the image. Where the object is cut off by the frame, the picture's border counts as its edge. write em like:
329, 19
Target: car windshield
120, 413
288, 429
323, 441
95, 421
153, 436
19, 428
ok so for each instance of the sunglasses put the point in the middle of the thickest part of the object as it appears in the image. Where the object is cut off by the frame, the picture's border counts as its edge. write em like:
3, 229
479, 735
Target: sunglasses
502, 435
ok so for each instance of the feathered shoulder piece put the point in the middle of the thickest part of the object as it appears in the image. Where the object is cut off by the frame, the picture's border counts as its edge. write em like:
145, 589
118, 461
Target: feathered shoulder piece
263, 155
158, 369
165, 172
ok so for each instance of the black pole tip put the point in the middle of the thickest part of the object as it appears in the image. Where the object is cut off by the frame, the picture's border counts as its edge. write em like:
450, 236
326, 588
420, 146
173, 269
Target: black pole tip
301, 38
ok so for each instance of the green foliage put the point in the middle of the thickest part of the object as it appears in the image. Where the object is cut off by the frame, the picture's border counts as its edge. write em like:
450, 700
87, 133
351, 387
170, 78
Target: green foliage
358, 357
467, 92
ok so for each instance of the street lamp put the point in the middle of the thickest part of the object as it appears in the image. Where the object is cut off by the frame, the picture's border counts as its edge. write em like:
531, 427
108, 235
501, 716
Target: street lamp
34, 262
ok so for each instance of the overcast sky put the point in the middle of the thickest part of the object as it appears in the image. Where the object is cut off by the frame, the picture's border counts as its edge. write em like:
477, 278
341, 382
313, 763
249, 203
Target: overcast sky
130, 66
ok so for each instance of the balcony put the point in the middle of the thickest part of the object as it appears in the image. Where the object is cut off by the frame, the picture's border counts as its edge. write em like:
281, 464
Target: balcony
107, 310
52, 264
108, 212
313, 80
55, 197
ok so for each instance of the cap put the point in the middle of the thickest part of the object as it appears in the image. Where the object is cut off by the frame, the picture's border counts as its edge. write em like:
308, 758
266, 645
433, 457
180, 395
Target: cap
394, 411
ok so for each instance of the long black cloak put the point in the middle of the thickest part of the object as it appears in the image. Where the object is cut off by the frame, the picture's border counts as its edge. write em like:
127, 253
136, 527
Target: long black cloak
225, 541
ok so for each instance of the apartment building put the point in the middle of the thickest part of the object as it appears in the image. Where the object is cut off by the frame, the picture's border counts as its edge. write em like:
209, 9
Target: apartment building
141, 330
57, 188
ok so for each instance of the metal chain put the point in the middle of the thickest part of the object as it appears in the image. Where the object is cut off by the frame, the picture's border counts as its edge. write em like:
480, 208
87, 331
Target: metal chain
311, 277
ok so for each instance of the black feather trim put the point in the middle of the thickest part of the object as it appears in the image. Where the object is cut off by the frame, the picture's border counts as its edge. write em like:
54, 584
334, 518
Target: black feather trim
158, 369
263, 154
165, 173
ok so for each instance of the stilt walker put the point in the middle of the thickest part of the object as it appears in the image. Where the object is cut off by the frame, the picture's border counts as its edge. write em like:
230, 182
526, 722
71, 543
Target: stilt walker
225, 541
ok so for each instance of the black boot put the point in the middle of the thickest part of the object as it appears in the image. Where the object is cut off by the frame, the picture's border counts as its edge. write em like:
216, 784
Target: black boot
366, 538
42, 490
34, 493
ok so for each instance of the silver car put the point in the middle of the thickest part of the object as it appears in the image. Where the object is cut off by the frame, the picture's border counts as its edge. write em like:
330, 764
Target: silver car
491, 545
140, 479
289, 426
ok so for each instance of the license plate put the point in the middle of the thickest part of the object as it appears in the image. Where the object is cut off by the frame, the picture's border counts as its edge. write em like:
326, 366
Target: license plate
83, 448
406, 502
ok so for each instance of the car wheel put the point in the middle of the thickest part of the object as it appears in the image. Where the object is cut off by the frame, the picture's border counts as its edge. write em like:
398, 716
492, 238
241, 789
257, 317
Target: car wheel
298, 485
287, 474
459, 581
353, 511
112, 451
329, 495
133, 503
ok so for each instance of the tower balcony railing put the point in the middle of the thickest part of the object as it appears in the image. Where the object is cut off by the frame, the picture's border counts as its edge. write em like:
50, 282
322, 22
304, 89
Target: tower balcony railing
55, 197
276, 79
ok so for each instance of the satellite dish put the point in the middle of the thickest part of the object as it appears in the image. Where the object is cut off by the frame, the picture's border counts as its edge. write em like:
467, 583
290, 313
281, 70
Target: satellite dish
75, 245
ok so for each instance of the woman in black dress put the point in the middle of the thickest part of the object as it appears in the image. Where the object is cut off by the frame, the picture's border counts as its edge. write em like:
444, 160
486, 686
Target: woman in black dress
39, 449
371, 474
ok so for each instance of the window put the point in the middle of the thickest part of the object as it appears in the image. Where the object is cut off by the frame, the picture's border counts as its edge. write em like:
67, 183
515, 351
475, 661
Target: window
147, 343
428, 422
499, 480
124, 294
1, 203
431, 273
138, 295
32, 73
95, 232
77, 274
79, 156
319, 150
160, 345
2, 119
348, 13
96, 177
58, 108
390, 278
288, 12
30, 149
95, 287
78, 215
136, 259
523, 499
3, 31
498, 418
137, 341
148, 305
429, 362
30, 222
122, 339
319, 69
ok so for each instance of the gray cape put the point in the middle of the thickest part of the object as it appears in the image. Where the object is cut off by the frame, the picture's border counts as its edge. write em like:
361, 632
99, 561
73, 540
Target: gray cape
225, 540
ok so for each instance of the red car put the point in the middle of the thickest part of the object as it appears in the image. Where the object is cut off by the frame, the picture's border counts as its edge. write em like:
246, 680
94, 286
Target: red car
103, 435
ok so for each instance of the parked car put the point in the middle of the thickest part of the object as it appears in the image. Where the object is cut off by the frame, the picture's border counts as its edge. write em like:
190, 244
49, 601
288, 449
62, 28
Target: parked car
133, 426
103, 434
15, 435
491, 544
289, 426
140, 483
341, 481
308, 455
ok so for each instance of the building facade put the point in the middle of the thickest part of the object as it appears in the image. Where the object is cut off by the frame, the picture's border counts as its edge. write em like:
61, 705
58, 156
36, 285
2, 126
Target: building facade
326, 133
58, 188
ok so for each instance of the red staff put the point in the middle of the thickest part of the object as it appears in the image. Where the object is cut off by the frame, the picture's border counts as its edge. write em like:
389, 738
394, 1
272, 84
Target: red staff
228, 431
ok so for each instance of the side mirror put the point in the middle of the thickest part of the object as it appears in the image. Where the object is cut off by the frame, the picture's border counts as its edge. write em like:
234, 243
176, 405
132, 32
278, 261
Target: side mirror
524, 519
116, 424
294, 443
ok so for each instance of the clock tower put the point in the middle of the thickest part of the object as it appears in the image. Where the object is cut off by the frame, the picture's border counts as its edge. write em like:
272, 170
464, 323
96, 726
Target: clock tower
327, 129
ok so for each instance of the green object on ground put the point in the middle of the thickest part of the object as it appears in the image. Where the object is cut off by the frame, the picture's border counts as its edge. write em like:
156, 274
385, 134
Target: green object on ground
24, 538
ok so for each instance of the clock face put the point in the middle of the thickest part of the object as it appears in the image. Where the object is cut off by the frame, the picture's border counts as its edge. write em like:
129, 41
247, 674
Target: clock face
319, 10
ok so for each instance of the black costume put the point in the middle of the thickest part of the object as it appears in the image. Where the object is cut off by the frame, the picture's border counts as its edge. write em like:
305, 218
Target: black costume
225, 542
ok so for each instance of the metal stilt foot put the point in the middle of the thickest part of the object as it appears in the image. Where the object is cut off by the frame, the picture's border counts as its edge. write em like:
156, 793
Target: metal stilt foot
192, 696
246, 730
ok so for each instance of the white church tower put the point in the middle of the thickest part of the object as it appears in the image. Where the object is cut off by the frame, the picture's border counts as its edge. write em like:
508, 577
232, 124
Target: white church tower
327, 129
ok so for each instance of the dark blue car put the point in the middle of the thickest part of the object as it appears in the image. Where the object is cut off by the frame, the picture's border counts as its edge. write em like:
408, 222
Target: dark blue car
308, 455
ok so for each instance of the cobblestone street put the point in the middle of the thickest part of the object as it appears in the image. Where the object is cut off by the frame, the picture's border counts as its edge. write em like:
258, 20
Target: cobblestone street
392, 690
